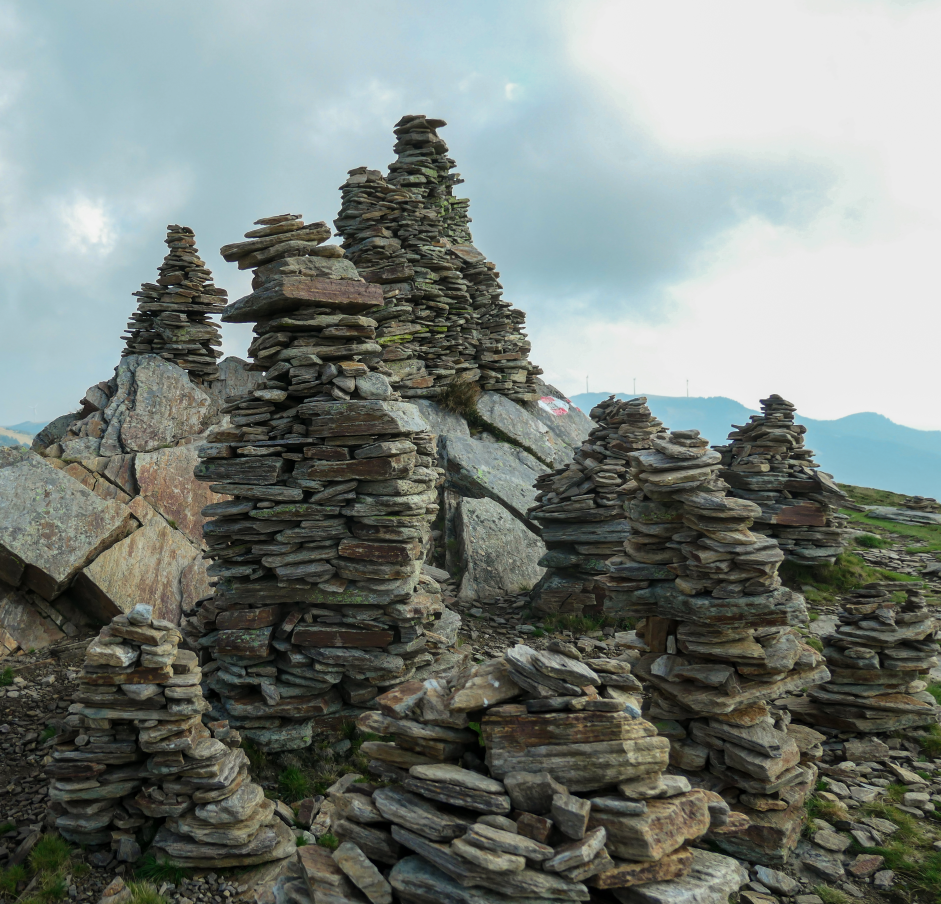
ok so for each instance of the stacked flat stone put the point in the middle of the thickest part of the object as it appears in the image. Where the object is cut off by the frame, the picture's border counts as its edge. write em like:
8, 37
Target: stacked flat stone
136, 752
572, 795
173, 316
922, 504
722, 639
370, 215
320, 600
446, 320
766, 462
879, 658
580, 509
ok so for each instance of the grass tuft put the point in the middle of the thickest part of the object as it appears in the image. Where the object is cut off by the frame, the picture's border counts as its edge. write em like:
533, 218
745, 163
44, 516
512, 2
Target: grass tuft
255, 756
871, 541
823, 583
6, 677
460, 398
820, 808
149, 868
329, 841
831, 895
145, 893
51, 853
294, 783
48, 732
10, 878
930, 742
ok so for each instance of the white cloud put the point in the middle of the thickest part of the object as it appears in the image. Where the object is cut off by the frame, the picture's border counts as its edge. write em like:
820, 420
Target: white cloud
512, 91
841, 315
88, 225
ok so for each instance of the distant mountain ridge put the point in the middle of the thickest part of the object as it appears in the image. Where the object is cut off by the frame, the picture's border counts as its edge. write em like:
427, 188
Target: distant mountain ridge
864, 449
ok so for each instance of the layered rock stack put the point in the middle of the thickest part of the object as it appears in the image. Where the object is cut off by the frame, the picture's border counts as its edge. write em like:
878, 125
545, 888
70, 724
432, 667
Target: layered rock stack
445, 319
136, 751
766, 463
320, 600
173, 316
581, 510
571, 795
722, 639
879, 657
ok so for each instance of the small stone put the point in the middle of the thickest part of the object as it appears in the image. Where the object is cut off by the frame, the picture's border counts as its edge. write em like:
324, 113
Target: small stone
532, 792
865, 865
777, 881
570, 814
141, 614
362, 873
832, 841
884, 879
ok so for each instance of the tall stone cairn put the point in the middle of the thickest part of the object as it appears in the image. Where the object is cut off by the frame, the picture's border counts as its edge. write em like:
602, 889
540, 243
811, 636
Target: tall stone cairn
581, 509
723, 642
445, 320
320, 601
766, 463
879, 657
173, 316
571, 796
135, 752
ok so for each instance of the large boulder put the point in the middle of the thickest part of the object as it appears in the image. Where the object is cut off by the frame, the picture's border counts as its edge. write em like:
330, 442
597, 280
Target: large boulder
568, 426
235, 378
166, 481
440, 420
152, 565
21, 624
154, 406
515, 423
496, 471
499, 554
51, 526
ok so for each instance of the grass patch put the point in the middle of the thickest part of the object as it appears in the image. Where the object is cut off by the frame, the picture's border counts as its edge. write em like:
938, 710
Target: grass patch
145, 893
930, 742
6, 677
928, 534
329, 841
870, 496
871, 541
935, 691
538, 632
51, 853
820, 808
460, 398
7, 827
48, 733
10, 878
815, 643
150, 869
828, 581
831, 895
255, 756
294, 783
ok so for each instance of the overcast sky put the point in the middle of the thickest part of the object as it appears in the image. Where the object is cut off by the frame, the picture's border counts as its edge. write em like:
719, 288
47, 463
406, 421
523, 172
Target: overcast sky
743, 195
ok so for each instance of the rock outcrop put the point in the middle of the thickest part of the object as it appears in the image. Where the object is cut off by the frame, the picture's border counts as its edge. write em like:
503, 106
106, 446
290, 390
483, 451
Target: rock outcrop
320, 600
173, 317
879, 657
135, 757
766, 463
571, 795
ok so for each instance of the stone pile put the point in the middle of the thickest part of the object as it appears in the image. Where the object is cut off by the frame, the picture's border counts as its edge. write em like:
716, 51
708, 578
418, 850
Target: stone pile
581, 510
922, 504
722, 640
173, 316
321, 601
766, 463
135, 751
445, 319
879, 658
571, 795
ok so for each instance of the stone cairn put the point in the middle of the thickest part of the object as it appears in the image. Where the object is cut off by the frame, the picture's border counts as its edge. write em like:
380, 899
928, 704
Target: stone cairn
445, 320
766, 463
922, 504
135, 751
173, 316
320, 599
722, 641
570, 799
580, 509
878, 657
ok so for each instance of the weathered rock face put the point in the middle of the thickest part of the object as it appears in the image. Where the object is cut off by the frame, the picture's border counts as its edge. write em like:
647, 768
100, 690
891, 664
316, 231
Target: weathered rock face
499, 553
155, 405
526, 431
496, 471
52, 526
234, 378
568, 426
147, 565
24, 627
441, 421
165, 479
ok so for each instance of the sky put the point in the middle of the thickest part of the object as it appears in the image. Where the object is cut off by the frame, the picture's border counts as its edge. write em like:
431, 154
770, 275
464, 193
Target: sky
745, 196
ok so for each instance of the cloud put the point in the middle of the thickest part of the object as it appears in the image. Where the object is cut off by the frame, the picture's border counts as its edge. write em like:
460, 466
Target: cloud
659, 184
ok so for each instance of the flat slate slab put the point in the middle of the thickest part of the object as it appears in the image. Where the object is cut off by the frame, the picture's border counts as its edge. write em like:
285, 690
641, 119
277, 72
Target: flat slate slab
51, 526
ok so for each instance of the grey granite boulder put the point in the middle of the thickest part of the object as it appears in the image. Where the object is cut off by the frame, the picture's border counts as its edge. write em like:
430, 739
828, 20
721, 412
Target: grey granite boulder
441, 421
51, 526
500, 554
568, 426
516, 423
497, 471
